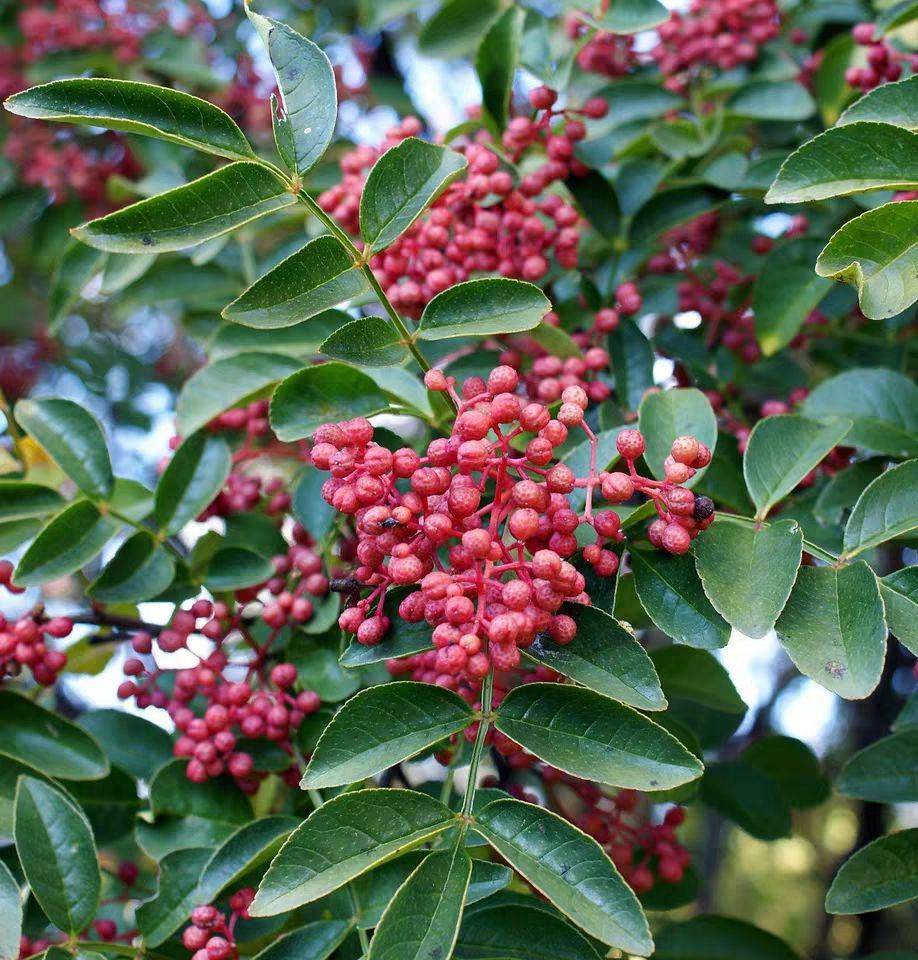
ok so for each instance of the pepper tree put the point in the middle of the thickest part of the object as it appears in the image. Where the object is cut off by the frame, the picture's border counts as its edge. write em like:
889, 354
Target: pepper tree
499, 438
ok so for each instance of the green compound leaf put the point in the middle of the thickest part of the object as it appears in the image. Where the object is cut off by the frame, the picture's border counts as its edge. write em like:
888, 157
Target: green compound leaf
377, 888
885, 772
848, 159
368, 341
251, 845
135, 745
882, 405
177, 895
301, 341
878, 255
74, 438
782, 450
480, 308
382, 726
496, 62
701, 694
879, 875
307, 87
422, 920
697, 675
131, 499
588, 735
749, 797
670, 590
520, 931
193, 477
897, 15
570, 869
234, 568
206, 208
21, 500
837, 497
314, 941
900, 597
604, 657
135, 108
342, 839
172, 793
597, 201
632, 363
141, 569
76, 267
402, 184
554, 340
786, 291
748, 573
772, 100
10, 915
793, 766
122, 269
886, 509
889, 103
455, 29
631, 16
17, 532
670, 208
321, 394
226, 383
719, 938
58, 854
834, 630
317, 277
65, 544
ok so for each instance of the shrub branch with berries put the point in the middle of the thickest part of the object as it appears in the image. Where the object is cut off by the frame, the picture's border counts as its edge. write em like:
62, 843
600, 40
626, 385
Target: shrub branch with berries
501, 436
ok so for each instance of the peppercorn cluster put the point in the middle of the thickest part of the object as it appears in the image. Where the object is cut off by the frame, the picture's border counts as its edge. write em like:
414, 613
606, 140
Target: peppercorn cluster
485, 529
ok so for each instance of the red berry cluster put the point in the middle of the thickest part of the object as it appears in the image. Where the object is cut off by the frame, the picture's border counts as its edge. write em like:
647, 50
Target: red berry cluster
486, 521
721, 294
605, 53
713, 33
252, 418
722, 34
683, 245
251, 696
727, 318
485, 222
645, 852
66, 166
24, 642
21, 363
211, 933
260, 703
63, 162
884, 62
86, 25
810, 65
545, 376
681, 515
245, 491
